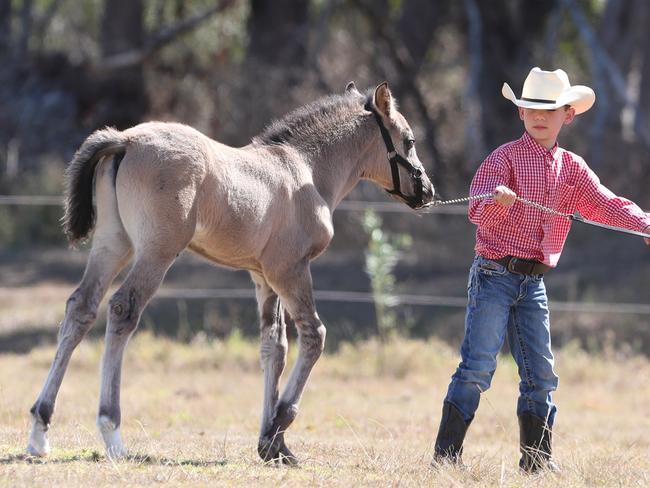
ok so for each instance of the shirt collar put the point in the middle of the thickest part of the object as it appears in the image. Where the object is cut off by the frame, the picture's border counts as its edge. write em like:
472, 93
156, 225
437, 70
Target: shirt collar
532, 145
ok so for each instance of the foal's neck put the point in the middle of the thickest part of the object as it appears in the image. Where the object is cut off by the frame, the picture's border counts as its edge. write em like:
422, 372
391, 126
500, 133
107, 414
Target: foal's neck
341, 160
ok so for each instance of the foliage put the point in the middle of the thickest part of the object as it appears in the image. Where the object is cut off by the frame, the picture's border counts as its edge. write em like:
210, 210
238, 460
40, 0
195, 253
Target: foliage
382, 255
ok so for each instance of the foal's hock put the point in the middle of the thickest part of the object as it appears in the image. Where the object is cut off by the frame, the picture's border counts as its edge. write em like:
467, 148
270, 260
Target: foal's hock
267, 207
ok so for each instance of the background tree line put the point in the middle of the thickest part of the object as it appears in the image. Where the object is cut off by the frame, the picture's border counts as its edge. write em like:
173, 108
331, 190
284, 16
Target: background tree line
227, 67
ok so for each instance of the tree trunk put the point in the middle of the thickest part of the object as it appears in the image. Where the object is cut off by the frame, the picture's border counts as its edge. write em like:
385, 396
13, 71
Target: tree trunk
26, 16
644, 82
5, 28
510, 31
279, 32
123, 99
417, 26
122, 26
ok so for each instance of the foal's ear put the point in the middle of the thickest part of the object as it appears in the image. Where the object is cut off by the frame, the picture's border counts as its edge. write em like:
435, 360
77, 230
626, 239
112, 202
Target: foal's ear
384, 99
352, 88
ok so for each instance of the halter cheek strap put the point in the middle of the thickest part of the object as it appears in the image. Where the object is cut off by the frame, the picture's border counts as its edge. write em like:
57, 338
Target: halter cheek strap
395, 159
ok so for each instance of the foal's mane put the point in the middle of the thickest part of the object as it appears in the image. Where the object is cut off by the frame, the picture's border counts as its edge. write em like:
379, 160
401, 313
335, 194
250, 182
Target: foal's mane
321, 116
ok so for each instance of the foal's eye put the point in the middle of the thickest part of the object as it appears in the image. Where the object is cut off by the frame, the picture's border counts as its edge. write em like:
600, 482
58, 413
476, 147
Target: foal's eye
409, 144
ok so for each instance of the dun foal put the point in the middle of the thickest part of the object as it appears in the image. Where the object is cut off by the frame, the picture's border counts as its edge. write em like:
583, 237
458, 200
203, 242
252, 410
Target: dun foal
162, 187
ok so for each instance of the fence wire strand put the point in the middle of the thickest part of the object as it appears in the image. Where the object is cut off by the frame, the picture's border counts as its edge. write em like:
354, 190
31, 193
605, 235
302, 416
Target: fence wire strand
351, 296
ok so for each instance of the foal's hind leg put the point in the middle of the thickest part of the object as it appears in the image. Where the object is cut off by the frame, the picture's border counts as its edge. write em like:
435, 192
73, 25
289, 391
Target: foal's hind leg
273, 352
109, 254
81, 311
125, 308
295, 290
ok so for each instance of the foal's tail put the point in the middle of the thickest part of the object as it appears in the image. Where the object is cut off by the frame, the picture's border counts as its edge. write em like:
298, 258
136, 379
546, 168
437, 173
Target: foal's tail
79, 217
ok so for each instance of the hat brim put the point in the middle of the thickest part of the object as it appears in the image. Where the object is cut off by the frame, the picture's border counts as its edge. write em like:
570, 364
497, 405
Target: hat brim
580, 97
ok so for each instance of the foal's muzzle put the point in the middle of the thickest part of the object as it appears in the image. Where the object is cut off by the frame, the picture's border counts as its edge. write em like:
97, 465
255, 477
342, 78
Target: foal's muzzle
396, 160
422, 189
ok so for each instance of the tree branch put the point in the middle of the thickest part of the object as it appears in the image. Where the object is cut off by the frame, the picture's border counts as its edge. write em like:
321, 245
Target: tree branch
5, 28
404, 64
603, 63
321, 38
42, 23
474, 142
26, 28
163, 37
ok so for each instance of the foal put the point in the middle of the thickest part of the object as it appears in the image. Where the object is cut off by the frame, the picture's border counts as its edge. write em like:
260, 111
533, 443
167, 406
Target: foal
267, 207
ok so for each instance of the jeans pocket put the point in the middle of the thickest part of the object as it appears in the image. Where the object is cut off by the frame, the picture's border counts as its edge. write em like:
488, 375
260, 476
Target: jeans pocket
472, 285
489, 267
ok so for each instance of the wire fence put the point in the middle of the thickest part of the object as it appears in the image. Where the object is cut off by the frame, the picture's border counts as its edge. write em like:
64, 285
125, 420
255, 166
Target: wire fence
351, 296
412, 300
346, 205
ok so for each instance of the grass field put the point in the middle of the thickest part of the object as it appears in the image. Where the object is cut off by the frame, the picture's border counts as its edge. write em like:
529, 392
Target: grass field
190, 417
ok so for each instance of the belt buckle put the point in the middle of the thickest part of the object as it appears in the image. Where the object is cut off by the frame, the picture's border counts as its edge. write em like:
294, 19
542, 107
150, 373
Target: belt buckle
521, 266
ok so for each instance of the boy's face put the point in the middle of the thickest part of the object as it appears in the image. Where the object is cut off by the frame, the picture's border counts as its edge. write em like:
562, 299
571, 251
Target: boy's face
545, 125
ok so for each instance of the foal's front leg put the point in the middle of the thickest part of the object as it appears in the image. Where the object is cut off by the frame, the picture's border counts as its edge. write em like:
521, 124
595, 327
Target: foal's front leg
273, 353
296, 294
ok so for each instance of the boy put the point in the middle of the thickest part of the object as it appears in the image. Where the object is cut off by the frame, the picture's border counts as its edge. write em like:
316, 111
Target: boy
515, 245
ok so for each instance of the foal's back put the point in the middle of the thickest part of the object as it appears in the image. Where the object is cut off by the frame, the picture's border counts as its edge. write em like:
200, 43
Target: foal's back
226, 203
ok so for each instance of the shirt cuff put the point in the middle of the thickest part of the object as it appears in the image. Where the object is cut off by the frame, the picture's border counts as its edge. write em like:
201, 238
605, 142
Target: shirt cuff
645, 223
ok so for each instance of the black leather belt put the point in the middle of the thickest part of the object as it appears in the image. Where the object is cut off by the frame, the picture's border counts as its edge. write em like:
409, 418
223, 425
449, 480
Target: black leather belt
522, 266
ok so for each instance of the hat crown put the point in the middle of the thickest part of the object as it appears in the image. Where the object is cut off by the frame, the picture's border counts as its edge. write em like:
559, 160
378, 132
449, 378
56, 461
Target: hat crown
545, 85
548, 90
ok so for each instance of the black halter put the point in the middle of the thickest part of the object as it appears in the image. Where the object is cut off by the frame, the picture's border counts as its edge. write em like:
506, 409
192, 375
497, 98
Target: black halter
413, 201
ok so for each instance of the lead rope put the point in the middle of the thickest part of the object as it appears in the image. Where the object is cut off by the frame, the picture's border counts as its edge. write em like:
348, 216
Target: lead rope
575, 216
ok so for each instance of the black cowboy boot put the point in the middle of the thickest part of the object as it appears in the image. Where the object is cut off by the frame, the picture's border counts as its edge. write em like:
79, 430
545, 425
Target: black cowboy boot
535, 444
449, 443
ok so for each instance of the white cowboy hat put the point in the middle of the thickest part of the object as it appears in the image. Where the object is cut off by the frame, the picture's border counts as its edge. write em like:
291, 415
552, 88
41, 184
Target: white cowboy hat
548, 90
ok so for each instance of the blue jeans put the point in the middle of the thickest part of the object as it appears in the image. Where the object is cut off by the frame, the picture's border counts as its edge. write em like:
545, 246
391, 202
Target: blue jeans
501, 302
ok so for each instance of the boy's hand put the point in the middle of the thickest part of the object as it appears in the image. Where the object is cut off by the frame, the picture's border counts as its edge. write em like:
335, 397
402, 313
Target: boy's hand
646, 231
504, 196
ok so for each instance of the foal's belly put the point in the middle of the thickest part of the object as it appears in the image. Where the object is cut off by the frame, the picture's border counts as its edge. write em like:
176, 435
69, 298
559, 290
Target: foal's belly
223, 253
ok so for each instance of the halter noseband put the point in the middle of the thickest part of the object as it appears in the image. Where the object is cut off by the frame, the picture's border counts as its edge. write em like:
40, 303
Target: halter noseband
395, 159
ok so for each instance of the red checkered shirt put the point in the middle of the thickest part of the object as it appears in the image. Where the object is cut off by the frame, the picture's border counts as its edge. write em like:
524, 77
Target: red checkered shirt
555, 178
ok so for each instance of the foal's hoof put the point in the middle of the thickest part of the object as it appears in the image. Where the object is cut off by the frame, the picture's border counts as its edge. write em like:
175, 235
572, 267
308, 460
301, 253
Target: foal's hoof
38, 444
116, 453
38, 451
273, 449
112, 438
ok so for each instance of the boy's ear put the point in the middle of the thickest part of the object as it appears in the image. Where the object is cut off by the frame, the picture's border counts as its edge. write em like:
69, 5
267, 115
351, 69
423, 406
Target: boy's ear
521, 113
569, 115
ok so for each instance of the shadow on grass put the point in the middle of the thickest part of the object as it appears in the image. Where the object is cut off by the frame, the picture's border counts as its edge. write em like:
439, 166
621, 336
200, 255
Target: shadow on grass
163, 461
95, 457
88, 456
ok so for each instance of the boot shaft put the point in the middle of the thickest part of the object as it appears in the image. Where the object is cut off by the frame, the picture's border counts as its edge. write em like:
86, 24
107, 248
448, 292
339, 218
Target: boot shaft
535, 443
451, 434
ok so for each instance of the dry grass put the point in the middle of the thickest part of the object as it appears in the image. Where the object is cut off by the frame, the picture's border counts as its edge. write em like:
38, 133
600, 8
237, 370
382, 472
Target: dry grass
190, 417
